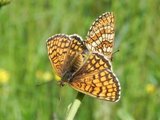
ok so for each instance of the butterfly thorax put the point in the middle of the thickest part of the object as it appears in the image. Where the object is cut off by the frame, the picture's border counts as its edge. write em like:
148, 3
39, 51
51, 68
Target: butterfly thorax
67, 77
73, 65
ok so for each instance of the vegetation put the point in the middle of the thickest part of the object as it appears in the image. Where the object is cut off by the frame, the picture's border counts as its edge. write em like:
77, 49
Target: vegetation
4, 2
24, 27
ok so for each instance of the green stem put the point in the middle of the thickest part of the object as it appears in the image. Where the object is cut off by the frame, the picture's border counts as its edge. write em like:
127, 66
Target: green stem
72, 110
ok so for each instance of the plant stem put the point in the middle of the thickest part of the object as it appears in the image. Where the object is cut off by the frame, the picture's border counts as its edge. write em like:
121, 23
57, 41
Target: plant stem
72, 110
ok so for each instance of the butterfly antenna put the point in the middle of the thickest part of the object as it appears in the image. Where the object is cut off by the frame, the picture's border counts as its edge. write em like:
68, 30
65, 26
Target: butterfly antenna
114, 53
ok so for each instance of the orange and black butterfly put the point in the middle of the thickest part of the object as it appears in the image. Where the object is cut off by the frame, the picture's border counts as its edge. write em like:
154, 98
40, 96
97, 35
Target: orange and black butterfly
86, 64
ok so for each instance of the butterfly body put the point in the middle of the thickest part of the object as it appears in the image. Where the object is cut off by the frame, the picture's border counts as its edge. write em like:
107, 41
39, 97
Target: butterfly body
86, 64
69, 73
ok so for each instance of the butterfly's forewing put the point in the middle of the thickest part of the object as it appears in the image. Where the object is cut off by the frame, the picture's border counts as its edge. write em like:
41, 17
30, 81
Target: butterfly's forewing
63, 50
98, 80
57, 50
74, 57
101, 35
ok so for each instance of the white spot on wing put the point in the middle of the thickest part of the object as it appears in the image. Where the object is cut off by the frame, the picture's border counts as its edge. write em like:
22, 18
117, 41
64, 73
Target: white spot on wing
97, 31
103, 36
100, 50
94, 44
104, 49
89, 47
108, 49
111, 36
98, 41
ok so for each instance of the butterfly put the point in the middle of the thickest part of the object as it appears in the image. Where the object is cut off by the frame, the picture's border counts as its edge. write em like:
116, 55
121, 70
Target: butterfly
86, 64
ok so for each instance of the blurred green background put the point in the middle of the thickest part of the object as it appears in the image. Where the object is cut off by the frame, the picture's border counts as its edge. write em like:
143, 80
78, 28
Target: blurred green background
24, 27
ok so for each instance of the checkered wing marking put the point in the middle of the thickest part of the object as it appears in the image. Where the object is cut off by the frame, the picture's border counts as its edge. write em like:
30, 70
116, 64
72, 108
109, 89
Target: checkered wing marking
101, 35
58, 46
95, 61
101, 83
75, 53
63, 51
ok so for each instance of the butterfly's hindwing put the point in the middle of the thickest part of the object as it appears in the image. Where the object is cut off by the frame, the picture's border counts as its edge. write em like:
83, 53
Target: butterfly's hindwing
97, 81
95, 61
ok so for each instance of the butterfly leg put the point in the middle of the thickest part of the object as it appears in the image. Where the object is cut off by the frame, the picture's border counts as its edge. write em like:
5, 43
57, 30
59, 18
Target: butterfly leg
61, 83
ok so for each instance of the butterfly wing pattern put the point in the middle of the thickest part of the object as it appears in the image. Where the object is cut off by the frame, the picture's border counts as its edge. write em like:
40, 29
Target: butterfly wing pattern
85, 64
96, 79
58, 46
62, 49
101, 35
